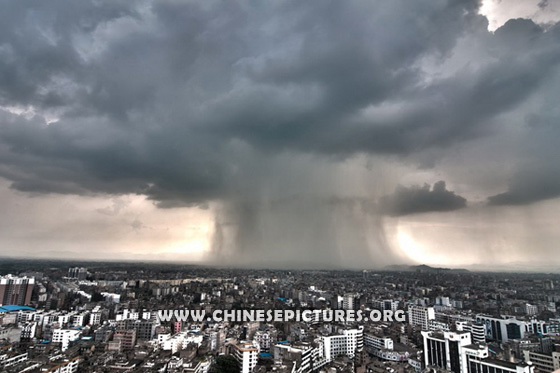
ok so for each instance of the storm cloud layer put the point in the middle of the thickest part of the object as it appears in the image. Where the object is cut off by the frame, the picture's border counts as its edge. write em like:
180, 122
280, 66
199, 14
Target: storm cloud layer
274, 109
418, 199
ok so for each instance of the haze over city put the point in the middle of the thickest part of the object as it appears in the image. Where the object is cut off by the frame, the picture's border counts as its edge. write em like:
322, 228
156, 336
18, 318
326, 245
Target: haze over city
304, 134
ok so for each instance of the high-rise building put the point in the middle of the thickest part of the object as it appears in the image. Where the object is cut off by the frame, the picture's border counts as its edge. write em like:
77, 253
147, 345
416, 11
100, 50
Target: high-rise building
127, 339
246, 354
349, 301
421, 316
348, 342
301, 354
478, 331
478, 364
145, 329
79, 273
443, 301
16, 290
505, 328
454, 352
386, 304
443, 350
65, 337
531, 309
95, 318
177, 327
543, 362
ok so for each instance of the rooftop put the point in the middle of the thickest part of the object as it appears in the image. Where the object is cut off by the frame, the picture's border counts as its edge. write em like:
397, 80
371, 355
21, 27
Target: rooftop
13, 307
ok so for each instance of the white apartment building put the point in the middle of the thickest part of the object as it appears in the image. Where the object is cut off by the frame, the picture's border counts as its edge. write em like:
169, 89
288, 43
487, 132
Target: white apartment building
421, 316
478, 332
380, 343
454, 352
301, 354
65, 336
347, 343
246, 354
543, 362
95, 318
179, 341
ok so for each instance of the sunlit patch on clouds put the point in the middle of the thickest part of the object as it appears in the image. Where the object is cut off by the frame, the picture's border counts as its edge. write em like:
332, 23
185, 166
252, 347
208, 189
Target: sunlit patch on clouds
499, 12
29, 112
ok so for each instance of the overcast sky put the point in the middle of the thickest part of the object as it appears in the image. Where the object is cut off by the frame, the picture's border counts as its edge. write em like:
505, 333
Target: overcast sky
320, 133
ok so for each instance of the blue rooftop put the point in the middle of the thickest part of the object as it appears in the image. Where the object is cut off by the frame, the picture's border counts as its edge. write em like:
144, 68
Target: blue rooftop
13, 307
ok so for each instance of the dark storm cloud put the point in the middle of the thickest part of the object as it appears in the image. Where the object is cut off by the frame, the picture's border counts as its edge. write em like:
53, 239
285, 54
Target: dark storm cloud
37, 47
155, 97
537, 174
531, 187
418, 199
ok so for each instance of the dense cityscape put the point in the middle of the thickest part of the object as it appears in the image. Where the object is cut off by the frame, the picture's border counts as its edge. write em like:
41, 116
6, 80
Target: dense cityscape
102, 317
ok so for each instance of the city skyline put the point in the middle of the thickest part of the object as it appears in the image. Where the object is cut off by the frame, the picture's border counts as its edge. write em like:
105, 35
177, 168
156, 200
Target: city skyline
320, 134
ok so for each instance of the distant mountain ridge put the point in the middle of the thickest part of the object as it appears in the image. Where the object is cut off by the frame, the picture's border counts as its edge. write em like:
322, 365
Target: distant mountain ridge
421, 268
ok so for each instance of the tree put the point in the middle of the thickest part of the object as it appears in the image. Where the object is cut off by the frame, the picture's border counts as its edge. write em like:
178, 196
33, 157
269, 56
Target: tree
225, 364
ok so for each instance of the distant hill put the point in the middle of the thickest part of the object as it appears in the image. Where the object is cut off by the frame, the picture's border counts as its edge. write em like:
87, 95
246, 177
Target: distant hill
421, 268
